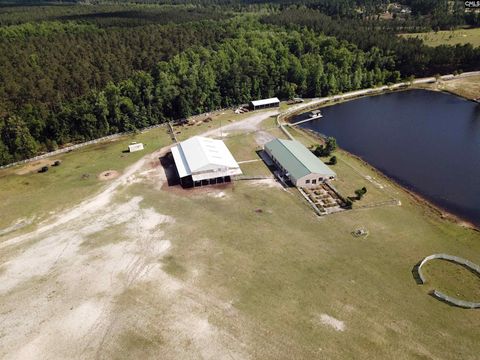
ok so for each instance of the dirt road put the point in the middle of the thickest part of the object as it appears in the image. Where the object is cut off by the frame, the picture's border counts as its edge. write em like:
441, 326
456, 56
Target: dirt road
90, 280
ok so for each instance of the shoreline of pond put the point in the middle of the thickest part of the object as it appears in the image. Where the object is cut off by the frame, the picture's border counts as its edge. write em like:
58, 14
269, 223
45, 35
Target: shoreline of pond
420, 199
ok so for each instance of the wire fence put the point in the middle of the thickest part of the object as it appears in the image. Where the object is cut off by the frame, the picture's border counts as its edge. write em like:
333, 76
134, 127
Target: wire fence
102, 139
77, 146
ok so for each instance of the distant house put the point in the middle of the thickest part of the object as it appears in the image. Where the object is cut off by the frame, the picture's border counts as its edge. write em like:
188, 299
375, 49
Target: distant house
298, 163
264, 103
203, 161
135, 147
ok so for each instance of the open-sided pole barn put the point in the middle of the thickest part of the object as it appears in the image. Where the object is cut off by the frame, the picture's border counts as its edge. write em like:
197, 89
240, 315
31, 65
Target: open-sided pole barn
264, 103
203, 161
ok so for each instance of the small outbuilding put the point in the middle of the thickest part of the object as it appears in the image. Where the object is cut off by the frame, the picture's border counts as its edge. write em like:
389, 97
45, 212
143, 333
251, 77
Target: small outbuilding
203, 161
298, 163
135, 147
264, 103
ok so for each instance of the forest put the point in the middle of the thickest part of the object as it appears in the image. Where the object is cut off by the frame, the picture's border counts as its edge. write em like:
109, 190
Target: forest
72, 72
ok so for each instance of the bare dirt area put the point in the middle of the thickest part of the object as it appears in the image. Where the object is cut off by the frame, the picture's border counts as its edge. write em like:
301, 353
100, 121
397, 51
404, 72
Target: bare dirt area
252, 123
272, 183
211, 190
330, 321
89, 283
108, 175
262, 137
80, 275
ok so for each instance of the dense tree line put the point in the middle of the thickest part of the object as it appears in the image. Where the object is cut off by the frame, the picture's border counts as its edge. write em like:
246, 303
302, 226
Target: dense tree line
71, 73
257, 62
44, 64
411, 56
125, 15
426, 14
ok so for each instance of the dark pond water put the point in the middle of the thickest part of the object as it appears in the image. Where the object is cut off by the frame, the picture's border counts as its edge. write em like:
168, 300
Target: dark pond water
427, 141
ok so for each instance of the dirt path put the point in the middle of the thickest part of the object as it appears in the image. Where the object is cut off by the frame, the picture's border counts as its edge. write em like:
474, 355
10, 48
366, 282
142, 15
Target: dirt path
251, 123
75, 286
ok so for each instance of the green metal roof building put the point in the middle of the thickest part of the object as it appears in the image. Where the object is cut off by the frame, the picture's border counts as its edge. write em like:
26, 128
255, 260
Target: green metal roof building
298, 163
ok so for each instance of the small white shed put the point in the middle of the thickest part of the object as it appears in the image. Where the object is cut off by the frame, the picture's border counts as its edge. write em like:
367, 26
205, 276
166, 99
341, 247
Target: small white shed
135, 147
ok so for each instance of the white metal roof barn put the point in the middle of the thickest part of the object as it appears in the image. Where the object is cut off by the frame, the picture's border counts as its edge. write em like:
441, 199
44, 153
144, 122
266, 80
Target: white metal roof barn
264, 103
201, 161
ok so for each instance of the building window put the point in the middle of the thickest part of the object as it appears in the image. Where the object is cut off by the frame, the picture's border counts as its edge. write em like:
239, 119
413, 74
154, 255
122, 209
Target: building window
314, 181
320, 179
307, 181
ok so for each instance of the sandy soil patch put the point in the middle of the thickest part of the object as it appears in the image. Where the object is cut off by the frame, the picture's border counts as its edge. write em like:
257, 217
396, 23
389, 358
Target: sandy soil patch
218, 194
108, 175
207, 190
251, 123
272, 183
330, 321
263, 137
62, 288
34, 166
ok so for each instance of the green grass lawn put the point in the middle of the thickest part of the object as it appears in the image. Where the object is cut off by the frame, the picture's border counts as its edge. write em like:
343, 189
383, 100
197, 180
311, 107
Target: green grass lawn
257, 168
283, 267
460, 36
452, 279
243, 146
351, 175
37, 195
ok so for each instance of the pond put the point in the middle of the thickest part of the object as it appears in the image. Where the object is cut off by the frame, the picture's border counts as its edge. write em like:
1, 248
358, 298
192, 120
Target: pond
427, 141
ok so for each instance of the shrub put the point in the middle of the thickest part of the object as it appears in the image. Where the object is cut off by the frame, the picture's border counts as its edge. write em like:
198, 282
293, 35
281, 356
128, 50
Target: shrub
43, 169
57, 163
360, 192
333, 160
327, 149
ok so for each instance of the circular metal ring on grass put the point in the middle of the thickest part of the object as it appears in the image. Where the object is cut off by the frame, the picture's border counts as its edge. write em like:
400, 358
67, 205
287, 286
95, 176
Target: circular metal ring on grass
441, 296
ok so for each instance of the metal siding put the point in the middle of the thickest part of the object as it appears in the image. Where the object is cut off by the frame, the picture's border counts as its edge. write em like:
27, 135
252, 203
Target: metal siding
297, 160
180, 162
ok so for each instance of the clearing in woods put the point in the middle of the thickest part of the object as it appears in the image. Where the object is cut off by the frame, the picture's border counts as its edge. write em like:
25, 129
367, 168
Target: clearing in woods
448, 37
126, 269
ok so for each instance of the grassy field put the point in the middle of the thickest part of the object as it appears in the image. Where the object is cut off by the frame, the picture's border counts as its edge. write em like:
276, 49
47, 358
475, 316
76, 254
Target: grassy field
460, 36
452, 279
290, 268
246, 270
468, 87
25, 193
